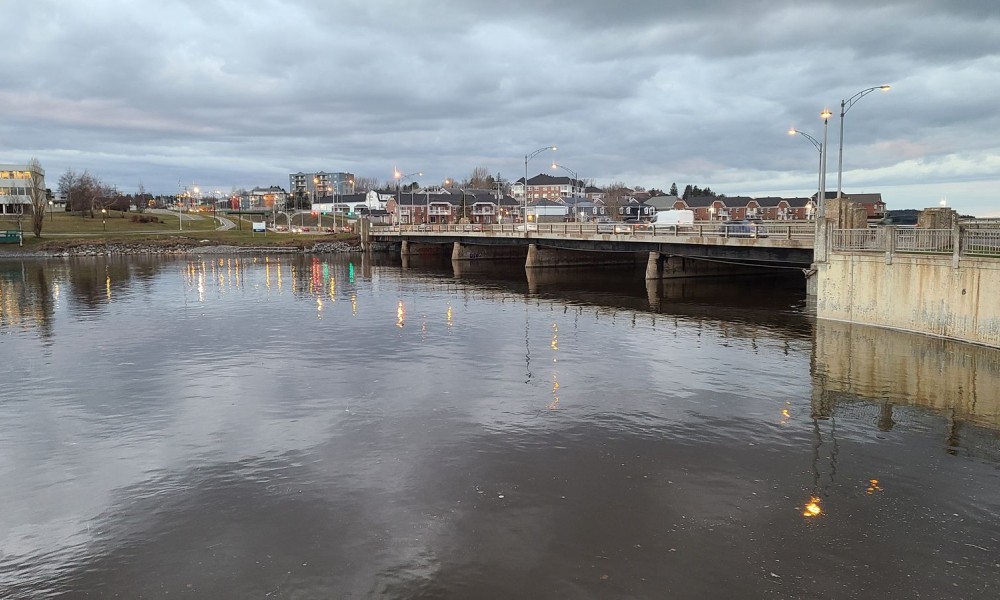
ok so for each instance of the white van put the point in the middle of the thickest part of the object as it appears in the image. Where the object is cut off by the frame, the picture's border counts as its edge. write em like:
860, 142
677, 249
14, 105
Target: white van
673, 218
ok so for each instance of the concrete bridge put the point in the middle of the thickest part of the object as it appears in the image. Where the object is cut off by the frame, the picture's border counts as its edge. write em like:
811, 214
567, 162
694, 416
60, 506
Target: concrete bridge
700, 250
941, 278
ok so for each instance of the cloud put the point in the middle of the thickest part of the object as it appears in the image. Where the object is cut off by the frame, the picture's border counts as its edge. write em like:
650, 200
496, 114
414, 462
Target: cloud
651, 93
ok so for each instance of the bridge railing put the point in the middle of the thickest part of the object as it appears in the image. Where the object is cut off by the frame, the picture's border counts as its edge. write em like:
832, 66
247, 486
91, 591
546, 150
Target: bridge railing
789, 230
972, 240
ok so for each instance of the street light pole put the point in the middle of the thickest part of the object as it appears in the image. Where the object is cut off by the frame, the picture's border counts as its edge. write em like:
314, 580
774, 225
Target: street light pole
399, 209
527, 157
821, 201
819, 148
845, 105
576, 178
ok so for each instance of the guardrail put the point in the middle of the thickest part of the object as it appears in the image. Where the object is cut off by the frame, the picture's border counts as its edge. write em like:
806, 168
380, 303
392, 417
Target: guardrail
796, 231
965, 240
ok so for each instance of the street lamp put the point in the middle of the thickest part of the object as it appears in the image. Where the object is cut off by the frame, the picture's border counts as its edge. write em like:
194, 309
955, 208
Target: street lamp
821, 201
104, 218
528, 157
399, 179
819, 148
50, 210
576, 178
845, 105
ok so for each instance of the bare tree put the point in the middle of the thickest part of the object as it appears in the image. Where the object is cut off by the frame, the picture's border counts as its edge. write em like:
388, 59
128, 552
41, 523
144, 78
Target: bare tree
81, 191
365, 184
615, 197
480, 179
37, 195
141, 200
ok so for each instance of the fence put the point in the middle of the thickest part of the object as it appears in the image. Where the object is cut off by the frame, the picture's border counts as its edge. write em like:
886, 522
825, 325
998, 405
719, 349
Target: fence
973, 240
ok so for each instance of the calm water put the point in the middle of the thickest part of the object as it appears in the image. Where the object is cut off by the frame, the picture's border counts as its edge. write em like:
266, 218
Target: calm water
333, 427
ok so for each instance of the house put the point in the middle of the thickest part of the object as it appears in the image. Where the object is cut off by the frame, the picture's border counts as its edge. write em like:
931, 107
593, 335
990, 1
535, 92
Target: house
450, 207
660, 203
635, 209
549, 187
872, 203
546, 211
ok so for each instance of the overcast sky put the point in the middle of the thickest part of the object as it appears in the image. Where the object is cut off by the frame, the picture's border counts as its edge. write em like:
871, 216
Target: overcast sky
230, 93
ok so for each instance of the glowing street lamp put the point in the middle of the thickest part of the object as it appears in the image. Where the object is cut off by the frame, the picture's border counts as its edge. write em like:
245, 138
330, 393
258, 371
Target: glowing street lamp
104, 218
845, 105
399, 179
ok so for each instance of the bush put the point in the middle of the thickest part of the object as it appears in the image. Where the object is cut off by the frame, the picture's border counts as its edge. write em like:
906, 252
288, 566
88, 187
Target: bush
145, 219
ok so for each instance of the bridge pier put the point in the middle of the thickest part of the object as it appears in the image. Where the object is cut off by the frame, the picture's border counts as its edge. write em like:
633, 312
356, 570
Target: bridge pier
461, 251
540, 257
660, 266
408, 248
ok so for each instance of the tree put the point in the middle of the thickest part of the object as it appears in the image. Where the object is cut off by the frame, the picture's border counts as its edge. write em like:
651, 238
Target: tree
37, 195
141, 199
365, 184
615, 197
480, 179
81, 191
673, 189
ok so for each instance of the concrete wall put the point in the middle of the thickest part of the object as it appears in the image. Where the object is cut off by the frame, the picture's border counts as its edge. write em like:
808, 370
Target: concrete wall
923, 294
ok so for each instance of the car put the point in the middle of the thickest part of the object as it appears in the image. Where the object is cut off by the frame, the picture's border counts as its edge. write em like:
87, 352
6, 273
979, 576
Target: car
530, 227
638, 225
742, 228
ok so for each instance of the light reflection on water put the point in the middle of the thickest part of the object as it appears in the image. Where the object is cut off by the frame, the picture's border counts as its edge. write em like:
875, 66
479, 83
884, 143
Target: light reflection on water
330, 426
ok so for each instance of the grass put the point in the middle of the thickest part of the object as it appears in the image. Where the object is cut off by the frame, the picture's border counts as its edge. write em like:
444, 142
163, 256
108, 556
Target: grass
63, 230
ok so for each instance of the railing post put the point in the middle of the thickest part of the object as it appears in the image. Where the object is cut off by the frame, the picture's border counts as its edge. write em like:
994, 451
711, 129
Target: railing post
890, 243
956, 243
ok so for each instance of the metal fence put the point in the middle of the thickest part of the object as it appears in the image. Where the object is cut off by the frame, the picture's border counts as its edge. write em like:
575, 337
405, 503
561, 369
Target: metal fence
973, 240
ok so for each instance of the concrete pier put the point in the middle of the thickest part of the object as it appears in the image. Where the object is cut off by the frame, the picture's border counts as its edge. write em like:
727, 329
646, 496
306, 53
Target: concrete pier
539, 257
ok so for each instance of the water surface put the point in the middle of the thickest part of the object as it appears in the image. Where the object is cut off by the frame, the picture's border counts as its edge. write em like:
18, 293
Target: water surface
313, 427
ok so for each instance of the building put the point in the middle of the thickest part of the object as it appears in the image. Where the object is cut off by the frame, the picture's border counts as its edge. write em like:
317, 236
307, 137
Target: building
308, 186
549, 187
15, 188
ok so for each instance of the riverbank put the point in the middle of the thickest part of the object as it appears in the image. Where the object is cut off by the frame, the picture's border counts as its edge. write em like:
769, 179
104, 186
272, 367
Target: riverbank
180, 245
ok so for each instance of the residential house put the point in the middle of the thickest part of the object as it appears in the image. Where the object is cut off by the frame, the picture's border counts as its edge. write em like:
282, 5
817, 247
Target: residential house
635, 209
546, 211
549, 187
660, 203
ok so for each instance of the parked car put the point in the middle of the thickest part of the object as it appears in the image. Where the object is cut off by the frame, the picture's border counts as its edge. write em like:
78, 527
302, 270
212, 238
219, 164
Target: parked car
530, 227
742, 228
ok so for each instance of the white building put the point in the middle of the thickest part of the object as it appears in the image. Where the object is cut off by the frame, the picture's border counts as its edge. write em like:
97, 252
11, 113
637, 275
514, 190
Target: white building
15, 188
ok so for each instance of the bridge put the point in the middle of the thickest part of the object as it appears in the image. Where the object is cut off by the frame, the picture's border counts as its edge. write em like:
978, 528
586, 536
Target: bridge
700, 249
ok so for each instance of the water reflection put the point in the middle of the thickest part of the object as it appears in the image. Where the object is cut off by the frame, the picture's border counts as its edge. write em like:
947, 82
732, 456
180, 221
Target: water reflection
528, 439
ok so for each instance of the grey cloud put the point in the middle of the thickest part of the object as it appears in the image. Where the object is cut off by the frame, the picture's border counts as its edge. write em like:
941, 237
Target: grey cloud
650, 92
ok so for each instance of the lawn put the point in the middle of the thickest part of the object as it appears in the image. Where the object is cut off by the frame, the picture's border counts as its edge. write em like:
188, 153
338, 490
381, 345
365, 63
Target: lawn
65, 228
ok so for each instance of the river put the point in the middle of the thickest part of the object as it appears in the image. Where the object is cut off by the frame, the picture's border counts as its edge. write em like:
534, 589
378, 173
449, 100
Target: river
343, 427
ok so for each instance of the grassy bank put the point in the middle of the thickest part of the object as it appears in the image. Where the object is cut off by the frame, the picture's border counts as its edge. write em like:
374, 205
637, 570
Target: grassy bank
64, 231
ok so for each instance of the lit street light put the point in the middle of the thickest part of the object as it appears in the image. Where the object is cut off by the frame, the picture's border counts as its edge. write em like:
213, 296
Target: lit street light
104, 218
821, 201
528, 157
576, 177
819, 148
399, 179
845, 105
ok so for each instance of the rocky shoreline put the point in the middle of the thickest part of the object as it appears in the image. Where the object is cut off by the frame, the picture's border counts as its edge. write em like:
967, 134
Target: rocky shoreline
179, 248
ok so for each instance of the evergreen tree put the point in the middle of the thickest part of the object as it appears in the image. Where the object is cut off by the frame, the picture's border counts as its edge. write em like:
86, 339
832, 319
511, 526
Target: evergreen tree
673, 189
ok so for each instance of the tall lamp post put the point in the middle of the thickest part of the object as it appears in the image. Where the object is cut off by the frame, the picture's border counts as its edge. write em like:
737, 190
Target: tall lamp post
819, 148
528, 157
576, 178
845, 105
399, 180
